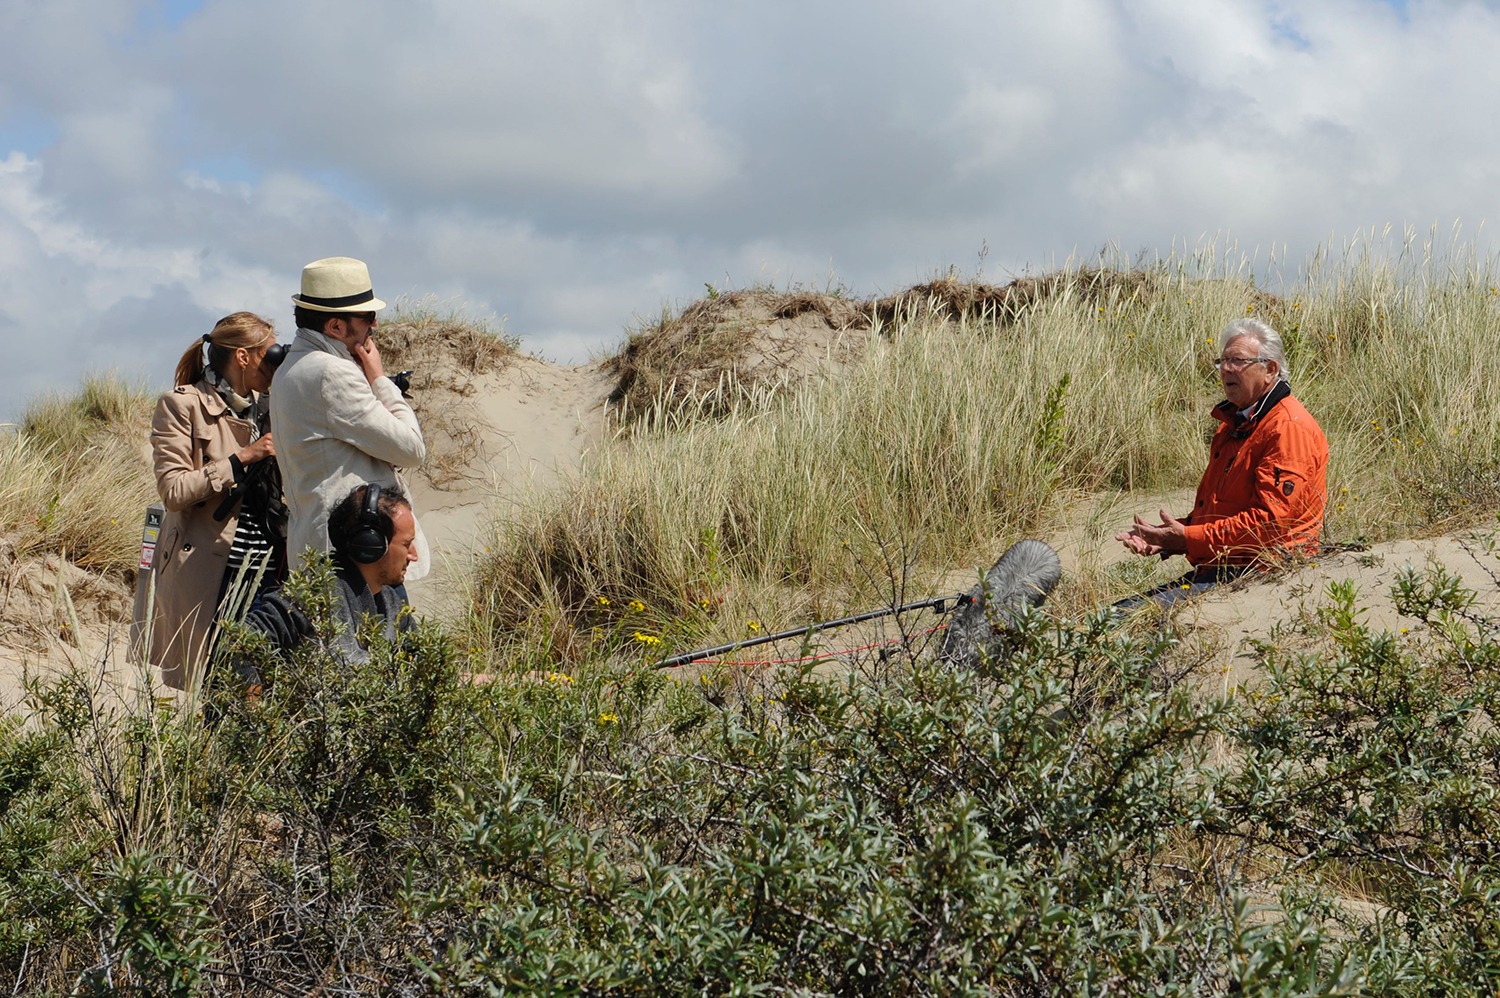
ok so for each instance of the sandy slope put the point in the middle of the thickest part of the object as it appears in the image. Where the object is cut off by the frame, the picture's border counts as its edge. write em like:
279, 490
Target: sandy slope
535, 421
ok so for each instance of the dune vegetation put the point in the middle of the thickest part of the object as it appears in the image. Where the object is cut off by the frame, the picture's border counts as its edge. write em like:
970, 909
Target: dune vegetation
1086, 812
976, 415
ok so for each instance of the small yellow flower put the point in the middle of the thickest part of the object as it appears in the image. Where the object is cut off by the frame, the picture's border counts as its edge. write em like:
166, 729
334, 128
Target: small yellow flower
609, 717
559, 677
602, 600
752, 626
637, 606
649, 640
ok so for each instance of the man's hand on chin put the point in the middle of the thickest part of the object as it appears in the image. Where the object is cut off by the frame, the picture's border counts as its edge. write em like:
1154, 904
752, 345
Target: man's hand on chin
367, 356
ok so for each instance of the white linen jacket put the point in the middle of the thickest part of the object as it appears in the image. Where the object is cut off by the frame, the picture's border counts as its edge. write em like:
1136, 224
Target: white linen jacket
334, 430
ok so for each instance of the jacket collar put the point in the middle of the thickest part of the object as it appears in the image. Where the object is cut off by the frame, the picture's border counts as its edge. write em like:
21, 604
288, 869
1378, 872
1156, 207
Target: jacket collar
1226, 412
208, 397
213, 403
323, 343
350, 573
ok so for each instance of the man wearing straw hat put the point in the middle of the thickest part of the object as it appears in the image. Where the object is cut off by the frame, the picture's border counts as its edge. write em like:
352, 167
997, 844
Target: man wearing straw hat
340, 422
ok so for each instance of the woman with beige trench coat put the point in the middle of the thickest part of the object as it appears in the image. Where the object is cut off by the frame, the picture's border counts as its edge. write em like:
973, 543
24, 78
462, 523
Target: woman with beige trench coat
206, 436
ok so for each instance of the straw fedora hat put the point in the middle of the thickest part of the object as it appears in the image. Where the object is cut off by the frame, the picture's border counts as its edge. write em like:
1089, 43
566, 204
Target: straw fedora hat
337, 284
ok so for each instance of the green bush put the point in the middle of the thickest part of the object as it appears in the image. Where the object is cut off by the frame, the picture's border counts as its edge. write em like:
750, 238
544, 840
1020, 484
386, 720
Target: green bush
1085, 814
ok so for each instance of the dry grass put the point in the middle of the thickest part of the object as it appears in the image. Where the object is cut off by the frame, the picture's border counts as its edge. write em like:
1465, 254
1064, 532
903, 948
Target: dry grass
76, 477
945, 443
949, 299
723, 351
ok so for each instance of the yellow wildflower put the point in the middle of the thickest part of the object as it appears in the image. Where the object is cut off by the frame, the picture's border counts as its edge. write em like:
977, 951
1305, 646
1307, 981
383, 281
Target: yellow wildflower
609, 717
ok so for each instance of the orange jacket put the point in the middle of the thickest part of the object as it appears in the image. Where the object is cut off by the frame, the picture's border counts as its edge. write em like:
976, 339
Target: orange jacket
1265, 486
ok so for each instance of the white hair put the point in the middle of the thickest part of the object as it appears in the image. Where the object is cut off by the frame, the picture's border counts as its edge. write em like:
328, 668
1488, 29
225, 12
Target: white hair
1268, 338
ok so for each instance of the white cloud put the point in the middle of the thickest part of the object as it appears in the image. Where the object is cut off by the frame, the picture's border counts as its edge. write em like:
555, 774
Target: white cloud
572, 166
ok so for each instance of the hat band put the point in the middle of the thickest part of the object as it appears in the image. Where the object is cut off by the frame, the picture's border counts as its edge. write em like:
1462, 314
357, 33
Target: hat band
363, 296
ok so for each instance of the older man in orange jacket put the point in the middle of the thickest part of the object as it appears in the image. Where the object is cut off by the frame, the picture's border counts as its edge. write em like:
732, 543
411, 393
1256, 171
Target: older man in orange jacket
1265, 488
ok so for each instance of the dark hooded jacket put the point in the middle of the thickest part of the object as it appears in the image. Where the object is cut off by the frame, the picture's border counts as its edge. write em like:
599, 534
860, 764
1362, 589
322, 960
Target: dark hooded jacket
286, 625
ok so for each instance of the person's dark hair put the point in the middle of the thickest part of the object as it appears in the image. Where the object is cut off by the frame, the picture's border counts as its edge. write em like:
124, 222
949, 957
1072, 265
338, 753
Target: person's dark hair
240, 329
309, 318
343, 519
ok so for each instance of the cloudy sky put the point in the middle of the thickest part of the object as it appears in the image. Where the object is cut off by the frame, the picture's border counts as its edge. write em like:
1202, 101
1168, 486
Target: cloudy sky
568, 168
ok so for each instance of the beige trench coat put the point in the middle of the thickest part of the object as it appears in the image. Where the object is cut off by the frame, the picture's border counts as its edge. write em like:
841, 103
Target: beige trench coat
192, 437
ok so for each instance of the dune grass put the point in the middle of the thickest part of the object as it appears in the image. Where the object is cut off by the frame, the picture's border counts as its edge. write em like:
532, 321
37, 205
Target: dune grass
74, 477
949, 439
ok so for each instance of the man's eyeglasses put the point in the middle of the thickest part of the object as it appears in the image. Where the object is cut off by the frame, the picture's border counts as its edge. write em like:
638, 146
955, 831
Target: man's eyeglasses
1237, 363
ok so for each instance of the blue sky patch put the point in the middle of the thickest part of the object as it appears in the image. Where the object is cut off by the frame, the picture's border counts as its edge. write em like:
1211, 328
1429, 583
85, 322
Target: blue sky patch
169, 14
1286, 29
27, 132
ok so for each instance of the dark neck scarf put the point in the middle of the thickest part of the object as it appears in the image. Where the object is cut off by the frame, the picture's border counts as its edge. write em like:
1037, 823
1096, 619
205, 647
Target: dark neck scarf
1245, 422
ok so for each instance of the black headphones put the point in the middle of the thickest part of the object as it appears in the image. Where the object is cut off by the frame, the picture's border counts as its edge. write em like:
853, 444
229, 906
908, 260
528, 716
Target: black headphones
366, 541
